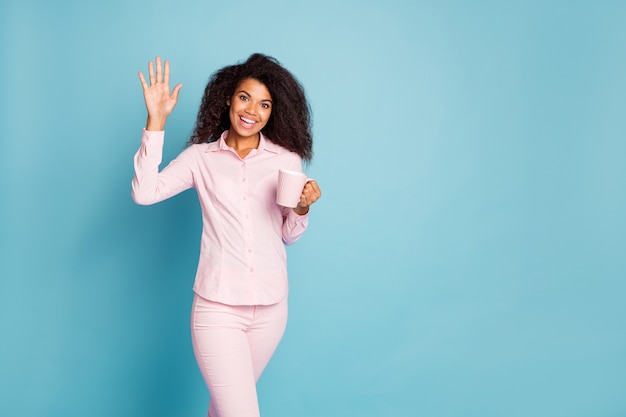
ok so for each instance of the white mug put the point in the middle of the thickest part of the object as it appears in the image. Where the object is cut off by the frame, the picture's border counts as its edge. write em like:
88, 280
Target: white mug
290, 186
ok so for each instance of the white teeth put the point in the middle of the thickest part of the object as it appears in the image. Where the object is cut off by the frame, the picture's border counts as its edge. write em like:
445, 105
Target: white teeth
247, 120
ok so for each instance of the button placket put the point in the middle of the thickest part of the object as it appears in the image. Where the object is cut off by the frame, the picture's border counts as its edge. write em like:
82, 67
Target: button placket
247, 216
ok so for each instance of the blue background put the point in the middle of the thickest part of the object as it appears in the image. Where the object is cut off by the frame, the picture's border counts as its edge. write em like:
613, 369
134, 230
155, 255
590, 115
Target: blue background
467, 257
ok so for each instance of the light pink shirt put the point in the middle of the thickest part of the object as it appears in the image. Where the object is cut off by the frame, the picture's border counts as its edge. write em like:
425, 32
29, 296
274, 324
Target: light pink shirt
244, 232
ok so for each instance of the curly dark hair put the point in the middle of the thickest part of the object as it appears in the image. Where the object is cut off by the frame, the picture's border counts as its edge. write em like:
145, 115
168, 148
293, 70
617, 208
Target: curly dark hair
289, 124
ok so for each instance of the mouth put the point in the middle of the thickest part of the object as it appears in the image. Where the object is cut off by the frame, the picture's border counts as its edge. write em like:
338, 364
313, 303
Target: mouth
247, 123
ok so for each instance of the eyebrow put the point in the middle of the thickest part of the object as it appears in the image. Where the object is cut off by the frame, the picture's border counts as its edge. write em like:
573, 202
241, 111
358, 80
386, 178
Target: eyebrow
250, 95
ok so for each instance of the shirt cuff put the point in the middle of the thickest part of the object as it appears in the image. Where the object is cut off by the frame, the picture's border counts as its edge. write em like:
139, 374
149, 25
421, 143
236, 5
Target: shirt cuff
298, 218
154, 137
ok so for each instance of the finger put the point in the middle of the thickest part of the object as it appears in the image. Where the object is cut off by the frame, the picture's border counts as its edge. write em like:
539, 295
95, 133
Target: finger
310, 182
151, 72
317, 192
312, 193
159, 70
166, 77
143, 81
307, 198
303, 197
310, 199
314, 189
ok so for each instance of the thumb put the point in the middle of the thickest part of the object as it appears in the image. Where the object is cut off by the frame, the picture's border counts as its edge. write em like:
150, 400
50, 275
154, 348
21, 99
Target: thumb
176, 91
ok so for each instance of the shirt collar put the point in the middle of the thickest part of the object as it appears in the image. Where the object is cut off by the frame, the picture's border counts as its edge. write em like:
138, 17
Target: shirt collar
264, 144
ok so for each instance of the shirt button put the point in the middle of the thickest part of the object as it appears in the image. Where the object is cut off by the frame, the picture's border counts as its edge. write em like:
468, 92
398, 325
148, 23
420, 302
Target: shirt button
243, 179
251, 269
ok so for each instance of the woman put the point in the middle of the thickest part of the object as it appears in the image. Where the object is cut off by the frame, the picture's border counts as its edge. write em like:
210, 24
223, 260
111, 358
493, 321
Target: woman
254, 120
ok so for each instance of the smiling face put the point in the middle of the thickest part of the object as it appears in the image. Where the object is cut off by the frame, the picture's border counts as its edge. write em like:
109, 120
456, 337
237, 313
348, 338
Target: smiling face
250, 108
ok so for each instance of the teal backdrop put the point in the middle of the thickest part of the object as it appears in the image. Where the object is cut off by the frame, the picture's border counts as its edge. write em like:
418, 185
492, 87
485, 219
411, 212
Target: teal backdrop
467, 258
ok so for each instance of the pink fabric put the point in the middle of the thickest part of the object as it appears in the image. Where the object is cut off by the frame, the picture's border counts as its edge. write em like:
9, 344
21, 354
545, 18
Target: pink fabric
233, 344
242, 249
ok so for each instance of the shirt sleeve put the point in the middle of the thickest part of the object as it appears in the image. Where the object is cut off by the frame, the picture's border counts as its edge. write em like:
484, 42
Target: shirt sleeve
149, 186
294, 225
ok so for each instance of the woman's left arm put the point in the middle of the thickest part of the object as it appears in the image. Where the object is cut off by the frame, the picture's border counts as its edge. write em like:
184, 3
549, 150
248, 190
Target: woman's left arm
296, 220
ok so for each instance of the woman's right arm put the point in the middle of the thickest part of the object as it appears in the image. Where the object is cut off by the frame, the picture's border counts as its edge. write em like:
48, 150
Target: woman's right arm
148, 185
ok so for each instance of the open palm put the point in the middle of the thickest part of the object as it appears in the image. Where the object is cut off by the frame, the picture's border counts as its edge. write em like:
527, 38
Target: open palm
159, 101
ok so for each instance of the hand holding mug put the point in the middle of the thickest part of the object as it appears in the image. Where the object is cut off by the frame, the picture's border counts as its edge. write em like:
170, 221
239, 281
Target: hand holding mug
310, 194
296, 190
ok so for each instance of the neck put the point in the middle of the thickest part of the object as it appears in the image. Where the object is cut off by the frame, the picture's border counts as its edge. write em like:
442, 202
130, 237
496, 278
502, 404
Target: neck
242, 144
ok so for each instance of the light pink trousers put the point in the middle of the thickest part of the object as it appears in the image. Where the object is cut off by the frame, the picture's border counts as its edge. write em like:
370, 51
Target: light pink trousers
233, 344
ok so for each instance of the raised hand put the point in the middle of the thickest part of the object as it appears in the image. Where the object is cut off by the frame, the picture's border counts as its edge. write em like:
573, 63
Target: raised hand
159, 101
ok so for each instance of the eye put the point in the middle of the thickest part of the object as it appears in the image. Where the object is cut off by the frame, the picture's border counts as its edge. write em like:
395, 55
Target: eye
265, 105
243, 97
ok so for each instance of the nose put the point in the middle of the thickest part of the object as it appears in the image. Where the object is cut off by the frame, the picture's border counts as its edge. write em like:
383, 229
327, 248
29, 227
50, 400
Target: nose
249, 107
